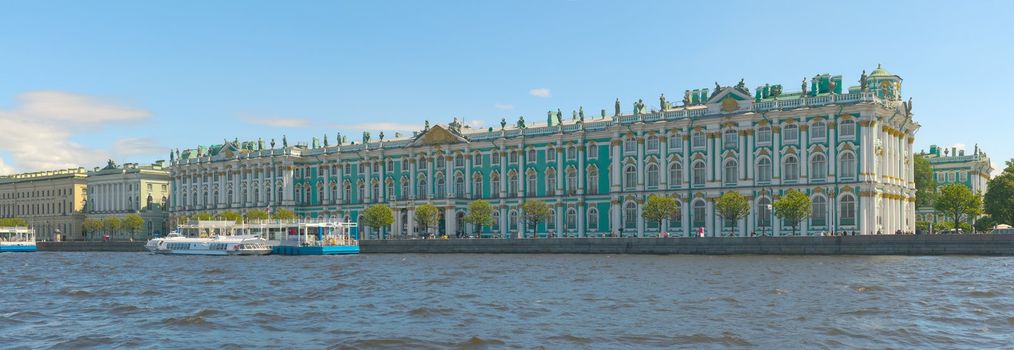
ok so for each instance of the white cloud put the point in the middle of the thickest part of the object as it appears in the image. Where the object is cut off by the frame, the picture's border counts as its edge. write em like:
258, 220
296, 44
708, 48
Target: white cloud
138, 146
475, 124
378, 126
959, 146
4, 169
37, 131
540, 92
278, 122
997, 170
503, 106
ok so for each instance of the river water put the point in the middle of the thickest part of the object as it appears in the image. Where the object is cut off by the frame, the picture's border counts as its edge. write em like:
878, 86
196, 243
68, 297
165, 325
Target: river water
135, 300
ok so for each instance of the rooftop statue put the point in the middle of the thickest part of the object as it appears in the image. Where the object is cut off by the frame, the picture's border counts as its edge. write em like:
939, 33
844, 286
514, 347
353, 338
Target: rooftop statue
741, 86
661, 102
260, 144
831, 85
559, 116
338, 138
804, 87
573, 115
521, 122
427, 126
686, 98
580, 113
639, 107
863, 81
908, 107
617, 106
503, 123
397, 134
285, 142
315, 143
325, 140
381, 136
272, 143
366, 136
171, 156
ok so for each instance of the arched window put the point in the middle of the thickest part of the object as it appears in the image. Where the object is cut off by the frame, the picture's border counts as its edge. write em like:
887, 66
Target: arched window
375, 193
477, 185
847, 165
791, 171
531, 158
698, 174
593, 180
278, 197
459, 185
593, 151
698, 219
459, 160
630, 177
361, 191
390, 188
652, 175
571, 153
550, 154
764, 212
593, 219
307, 195
847, 129
512, 184
699, 140
764, 136
571, 219
533, 184
731, 172
441, 186
848, 210
550, 182
818, 167
512, 220
675, 142
629, 145
495, 158
675, 173
404, 187
790, 133
421, 186
494, 184
496, 220
819, 216
334, 193
513, 157
764, 170
320, 193
630, 215
571, 181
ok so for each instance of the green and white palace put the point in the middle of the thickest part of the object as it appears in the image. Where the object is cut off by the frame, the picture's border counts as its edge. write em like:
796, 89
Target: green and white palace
849, 149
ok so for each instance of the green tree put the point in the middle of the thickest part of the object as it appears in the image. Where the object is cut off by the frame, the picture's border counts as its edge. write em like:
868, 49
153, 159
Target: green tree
426, 216
985, 223
536, 211
999, 199
732, 207
229, 215
793, 208
112, 224
378, 216
659, 208
13, 222
133, 223
480, 213
256, 214
91, 226
958, 202
283, 214
203, 216
925, 183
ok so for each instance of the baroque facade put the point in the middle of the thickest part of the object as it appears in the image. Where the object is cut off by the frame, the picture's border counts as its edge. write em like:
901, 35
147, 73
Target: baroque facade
130, 189
952, 165
51, 201
849, 149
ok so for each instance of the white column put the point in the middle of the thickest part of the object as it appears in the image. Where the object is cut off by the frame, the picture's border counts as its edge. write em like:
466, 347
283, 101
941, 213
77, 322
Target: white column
468, 177
709, 227
614, 178
640, 161
663, 157
580, 174
581, 214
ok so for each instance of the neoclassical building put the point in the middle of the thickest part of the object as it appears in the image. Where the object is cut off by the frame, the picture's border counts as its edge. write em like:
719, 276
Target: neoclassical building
849, 149
952, 165
51, 201
116, 190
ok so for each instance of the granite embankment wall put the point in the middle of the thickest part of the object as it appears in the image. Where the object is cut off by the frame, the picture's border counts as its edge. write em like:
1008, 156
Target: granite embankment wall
92, 246
850, 245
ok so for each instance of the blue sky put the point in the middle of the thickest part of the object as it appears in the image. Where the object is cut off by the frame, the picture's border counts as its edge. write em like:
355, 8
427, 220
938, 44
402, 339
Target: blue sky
84, 81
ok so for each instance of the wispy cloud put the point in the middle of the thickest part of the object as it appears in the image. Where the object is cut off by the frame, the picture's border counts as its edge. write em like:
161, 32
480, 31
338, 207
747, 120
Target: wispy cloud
138, 146
37, 131
503, 106
378, 126
540, 92
277, 122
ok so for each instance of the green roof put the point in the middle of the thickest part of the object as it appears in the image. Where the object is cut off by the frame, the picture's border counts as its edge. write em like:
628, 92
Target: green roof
880, 72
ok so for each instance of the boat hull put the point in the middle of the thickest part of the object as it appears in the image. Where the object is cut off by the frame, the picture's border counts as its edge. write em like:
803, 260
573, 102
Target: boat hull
18, 248
322, 250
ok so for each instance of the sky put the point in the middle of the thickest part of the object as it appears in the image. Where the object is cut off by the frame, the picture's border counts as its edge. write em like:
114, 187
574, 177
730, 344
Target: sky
86, 81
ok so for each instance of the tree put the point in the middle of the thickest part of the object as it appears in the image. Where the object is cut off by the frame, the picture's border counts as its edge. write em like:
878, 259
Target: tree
378, 216
230, 215
732, 207
91, 225
793, 208
133, 223
958, 201
256, 214
283, 214
13, 222
999, 199
480, 213
426, 216
112, 224
659, 208
925, 183
536, 211
202, 216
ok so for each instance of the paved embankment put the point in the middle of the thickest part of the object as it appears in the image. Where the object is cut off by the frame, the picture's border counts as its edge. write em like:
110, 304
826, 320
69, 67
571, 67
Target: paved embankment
851, 245
92, 246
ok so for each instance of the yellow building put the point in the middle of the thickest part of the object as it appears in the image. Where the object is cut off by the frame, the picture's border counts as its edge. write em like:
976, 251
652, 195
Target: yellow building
51, 201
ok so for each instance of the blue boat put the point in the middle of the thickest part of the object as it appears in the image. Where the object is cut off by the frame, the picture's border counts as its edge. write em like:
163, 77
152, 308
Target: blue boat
18, 239
319, 238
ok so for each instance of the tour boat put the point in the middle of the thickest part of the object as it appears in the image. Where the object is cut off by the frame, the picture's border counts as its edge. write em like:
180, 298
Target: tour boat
177, 244
17, 239
319, 238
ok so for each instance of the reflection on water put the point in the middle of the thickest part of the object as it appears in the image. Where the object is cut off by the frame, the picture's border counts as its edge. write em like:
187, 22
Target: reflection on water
102, 300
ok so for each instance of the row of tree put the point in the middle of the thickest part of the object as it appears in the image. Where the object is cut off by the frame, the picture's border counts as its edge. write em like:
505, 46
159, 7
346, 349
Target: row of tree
111, 225
957, 202
13, 222
250, 215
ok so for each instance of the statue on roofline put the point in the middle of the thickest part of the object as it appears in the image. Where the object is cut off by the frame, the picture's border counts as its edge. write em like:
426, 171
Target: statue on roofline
272, 143
325, 141
559, 116
381, 136
521, 122
804, 87
741, 86
427, 126
617, 106
503, 123
831, 85
580, 113
366, 136
171, 156
863, 81
661, 102
686, 98
285, 142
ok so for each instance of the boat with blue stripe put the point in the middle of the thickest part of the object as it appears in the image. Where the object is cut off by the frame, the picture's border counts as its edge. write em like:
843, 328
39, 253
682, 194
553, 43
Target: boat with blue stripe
320, 238
17, 239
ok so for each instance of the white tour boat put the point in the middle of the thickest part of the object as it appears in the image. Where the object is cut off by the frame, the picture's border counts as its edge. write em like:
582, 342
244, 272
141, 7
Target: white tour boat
209, 242
17, 239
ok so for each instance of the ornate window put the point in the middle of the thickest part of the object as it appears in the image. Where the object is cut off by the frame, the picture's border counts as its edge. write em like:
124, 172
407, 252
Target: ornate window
698, 174
848, 210
764, 170
514, 157
652, 175
375, 187
791, 171
441, 185
675, 173
571, 219
550, 154
571, 181
477, 185
764, 212
652, 144
764, 136
495, 158
818, 167
593, 219
699, 212
496, 220
512, 220
847, 129
512, 184
390, 188
818, 131
847, 165
790, 133
593, 151
421, 186
533, 184
629, 145
630, 215
699, 140
731, 172
675, 142
593, 180
730, 138
494, 184
819, 216
459, 185
571, 153
630, 177
531, 156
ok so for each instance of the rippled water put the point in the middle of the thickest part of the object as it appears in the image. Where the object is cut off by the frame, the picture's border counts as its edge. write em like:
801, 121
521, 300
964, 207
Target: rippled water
134, 300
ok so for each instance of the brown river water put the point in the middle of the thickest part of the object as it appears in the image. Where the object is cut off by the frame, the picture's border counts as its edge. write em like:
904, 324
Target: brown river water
407, 301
